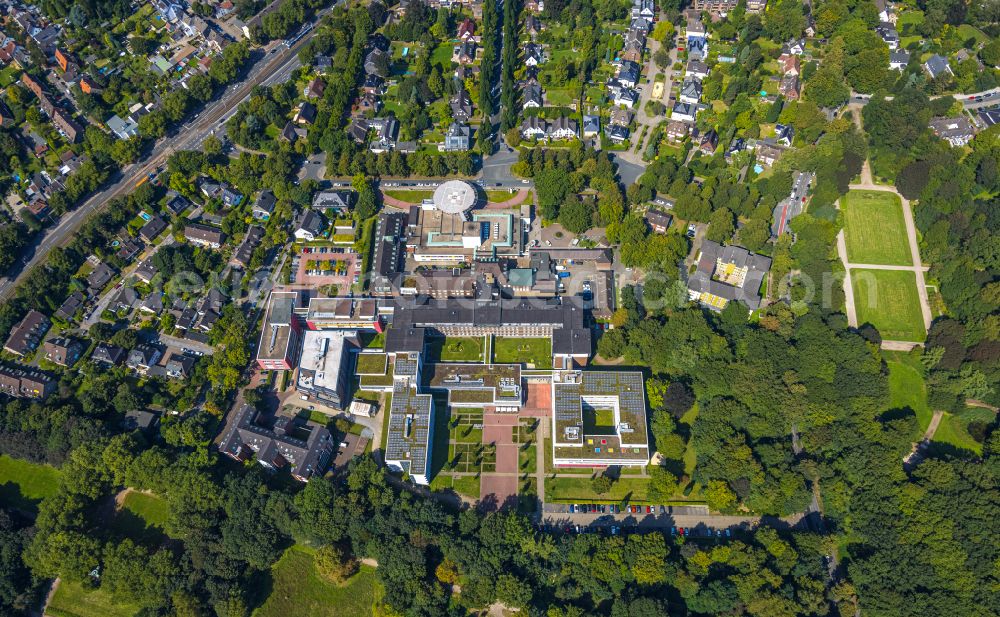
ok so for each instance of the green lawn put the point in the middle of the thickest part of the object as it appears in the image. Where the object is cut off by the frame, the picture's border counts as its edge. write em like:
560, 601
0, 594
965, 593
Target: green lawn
913, 18
578, 490
410, 197
24, 484
952, 431
500, 196
534, 351
75, 600
371, 364
874, 228
151, 508
968, 31
296, 590
557, 97
888, 300
442, 54
463, 485
456, 349
907, 389
142, 517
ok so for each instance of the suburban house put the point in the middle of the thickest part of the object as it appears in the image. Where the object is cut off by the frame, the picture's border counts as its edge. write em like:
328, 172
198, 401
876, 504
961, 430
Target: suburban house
898, 60
336, 202
788, 64
697, 69
458, 138
204, 235
314, 89
467, 30
533, 128
464, 53
626, 97
263, 206
62, 351
937, 65
305, 113
616, 133
709, 142
153, 228
68, 309
99, 277
796, 47
562, 128
956, 131
143, 357
25, 383
309, 226
531, 96
684, 112
27, 334
591, 125
690, 91
789, 87
889, 34
108, 354
461, 106
677, 130
658, 221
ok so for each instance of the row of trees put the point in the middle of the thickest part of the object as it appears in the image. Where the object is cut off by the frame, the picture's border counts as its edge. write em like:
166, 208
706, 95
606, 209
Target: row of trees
509, 61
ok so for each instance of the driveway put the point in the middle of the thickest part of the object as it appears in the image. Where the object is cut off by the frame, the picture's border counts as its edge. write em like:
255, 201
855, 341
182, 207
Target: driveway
183, 343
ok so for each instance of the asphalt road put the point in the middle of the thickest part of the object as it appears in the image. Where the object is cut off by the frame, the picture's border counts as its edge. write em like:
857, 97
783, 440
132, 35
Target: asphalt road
276, 65
791, 206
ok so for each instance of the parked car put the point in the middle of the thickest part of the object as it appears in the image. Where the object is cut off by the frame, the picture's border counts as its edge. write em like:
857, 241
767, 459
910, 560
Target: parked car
572, 508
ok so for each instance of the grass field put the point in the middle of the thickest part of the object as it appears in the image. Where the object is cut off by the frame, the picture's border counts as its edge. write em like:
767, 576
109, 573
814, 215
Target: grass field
24, 484
371, 364
907, 389
142, 517
888, 300
534, 351
296, 590
442, 55
499, 196
75, 600
456, 349
410, 197
874, 229
968, 31
580, 490
952, 431
463, 485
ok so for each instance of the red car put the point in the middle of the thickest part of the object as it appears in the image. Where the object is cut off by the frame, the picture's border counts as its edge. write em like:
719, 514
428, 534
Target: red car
648, 509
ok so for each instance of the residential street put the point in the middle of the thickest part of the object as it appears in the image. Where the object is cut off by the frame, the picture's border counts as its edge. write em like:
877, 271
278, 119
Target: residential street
268, 69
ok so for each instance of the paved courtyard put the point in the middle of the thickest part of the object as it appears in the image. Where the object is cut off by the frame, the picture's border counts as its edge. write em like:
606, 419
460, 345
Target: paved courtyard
324, 269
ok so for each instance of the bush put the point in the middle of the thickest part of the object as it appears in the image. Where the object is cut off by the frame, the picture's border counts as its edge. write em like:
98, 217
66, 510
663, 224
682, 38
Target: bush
335, 565
601, 484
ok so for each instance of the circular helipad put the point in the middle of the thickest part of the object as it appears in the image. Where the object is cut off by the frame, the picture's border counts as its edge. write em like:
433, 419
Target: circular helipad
454, 196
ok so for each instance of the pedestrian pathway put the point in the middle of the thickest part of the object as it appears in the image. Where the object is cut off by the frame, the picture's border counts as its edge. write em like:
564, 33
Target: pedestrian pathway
516, 200
917, 267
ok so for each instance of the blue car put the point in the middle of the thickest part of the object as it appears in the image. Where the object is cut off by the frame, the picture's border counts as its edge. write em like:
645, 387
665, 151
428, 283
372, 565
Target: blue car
572, 508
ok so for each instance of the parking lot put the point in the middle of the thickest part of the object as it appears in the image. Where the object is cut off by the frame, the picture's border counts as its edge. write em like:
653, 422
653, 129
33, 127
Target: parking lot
692, 521
325, 266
